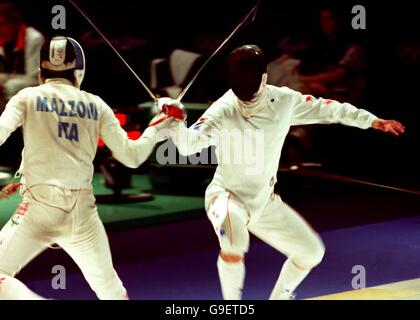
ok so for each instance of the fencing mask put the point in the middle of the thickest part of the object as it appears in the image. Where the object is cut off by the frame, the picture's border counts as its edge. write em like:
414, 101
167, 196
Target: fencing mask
62, 57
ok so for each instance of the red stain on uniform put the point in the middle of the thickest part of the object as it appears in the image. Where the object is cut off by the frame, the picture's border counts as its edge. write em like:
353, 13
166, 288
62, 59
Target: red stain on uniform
329, 101
23, 209
1, 280
308, 99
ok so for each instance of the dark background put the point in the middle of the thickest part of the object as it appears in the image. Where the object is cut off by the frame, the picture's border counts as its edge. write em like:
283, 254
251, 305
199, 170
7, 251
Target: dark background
143, 30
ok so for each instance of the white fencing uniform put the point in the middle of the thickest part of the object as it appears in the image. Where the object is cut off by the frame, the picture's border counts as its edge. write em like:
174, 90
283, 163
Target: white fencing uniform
61, 127
241, 197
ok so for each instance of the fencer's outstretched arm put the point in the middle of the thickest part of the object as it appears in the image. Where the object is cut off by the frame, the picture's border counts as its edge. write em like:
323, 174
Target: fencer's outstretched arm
131, 153
309, 110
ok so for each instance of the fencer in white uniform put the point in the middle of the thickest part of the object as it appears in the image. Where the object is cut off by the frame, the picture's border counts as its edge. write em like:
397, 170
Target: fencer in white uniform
248, 126
61, 127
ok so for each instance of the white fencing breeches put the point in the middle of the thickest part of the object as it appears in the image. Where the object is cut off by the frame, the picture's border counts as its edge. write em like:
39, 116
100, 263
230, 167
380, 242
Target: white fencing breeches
279, 226
50, 215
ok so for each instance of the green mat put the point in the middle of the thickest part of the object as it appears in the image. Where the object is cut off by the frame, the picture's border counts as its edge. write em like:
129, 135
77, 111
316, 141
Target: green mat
164, 208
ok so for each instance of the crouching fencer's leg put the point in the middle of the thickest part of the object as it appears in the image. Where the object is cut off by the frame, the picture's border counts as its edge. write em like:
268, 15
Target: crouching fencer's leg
21, 240
284, 229
229, 221
89, 248
13, 289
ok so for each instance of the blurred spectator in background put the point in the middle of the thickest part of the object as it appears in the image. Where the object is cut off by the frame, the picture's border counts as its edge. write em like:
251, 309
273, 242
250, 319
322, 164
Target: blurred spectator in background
328, 65
19, 53
333, 64
171, 74
284, 70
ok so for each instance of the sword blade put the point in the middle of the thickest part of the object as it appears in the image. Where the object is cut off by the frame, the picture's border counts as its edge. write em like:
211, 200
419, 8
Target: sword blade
249, 18
115, 50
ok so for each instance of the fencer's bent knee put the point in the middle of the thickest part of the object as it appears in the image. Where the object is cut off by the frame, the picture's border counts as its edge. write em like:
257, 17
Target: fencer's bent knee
318, 253
311, 257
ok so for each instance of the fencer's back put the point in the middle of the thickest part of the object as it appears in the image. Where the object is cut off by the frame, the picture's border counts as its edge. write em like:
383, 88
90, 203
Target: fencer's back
61, 131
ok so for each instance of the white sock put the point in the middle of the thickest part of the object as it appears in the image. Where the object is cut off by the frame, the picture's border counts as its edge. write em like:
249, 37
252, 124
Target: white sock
290, 277
232, 278
12, 289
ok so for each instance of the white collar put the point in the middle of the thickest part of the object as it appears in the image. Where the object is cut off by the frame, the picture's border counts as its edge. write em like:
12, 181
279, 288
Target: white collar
59, 81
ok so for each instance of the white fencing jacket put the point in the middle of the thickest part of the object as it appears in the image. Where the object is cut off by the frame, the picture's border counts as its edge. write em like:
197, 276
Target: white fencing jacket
248, 149
61, 127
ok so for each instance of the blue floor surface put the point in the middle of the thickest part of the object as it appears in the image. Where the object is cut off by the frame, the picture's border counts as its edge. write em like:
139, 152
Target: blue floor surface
389, 251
